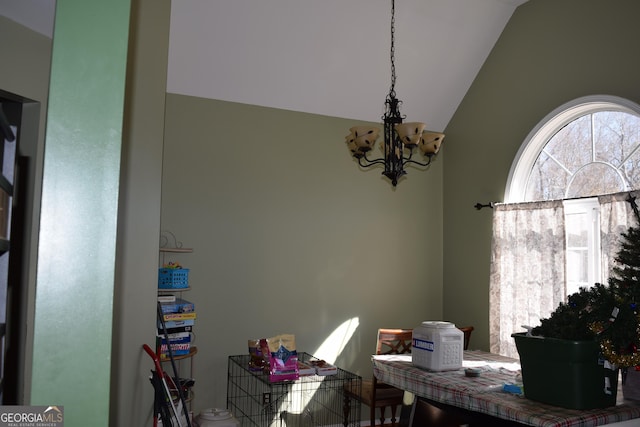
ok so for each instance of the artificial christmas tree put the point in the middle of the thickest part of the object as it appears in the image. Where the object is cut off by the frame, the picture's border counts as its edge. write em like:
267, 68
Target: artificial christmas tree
619, 334
620, 340
608, 315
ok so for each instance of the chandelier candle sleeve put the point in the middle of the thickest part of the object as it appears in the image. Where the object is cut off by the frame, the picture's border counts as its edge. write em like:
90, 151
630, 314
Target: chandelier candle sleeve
364, 137
430, 142
410, 133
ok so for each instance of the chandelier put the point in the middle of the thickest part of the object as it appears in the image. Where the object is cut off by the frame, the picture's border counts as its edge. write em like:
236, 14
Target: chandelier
400, 139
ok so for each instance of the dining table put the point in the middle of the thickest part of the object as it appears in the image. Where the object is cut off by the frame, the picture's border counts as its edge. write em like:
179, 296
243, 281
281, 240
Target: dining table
488, 390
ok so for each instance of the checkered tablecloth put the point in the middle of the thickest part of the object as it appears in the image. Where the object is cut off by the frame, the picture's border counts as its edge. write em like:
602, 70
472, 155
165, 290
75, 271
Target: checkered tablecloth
485, 393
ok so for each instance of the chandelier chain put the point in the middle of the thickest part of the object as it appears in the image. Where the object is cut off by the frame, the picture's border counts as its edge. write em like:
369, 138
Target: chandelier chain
392, 90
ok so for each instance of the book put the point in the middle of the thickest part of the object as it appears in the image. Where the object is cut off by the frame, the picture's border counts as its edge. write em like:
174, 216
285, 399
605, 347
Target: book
179, 305
170, 324
175, 330
177, 349
179, 316
166, 298
175, 336
179, 346
181, 340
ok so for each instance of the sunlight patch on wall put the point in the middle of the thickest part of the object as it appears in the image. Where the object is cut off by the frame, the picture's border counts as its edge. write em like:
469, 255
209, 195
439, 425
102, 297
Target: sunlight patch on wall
328, 351
333, 346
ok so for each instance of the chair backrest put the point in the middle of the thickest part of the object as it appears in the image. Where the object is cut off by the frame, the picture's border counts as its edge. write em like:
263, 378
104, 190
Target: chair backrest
394, 341
466, 330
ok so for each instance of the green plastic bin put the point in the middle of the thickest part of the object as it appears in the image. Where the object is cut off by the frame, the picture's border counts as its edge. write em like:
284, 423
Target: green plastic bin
570, 374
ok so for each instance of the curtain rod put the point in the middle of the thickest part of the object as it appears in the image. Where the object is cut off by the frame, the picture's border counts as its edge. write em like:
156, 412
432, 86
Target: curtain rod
630, 198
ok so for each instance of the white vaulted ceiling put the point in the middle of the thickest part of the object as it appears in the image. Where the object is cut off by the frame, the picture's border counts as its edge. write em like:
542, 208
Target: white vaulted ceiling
328, 57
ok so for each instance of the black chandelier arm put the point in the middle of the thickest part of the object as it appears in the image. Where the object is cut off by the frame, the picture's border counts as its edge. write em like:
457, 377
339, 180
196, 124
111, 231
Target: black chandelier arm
369, 162
414, 162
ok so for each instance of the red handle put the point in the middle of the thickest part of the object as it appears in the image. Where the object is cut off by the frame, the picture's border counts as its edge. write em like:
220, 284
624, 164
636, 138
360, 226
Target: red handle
156, 359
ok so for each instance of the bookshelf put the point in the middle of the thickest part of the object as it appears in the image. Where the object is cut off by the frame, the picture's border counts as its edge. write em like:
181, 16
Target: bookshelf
184, 363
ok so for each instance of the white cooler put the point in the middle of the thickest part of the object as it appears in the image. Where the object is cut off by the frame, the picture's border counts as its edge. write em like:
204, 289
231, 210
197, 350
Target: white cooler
437, 346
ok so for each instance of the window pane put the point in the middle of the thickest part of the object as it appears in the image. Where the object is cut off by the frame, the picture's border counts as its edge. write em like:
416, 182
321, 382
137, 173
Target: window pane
577, 231
631, 170
616, 136
547, 181
595, 179
571, 145
577, 270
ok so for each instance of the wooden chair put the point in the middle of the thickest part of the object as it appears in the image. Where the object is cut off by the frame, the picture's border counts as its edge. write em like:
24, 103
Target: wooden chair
375, 394
466, 330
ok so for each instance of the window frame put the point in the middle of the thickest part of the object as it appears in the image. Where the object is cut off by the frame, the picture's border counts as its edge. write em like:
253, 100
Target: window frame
540, 135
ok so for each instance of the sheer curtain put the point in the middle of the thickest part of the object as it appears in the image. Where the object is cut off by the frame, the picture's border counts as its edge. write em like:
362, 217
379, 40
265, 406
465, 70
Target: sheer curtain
527, 269
528, 262
616, 216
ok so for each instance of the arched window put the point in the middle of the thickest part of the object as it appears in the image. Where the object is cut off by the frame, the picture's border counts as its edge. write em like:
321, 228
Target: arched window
586, 148
564, 211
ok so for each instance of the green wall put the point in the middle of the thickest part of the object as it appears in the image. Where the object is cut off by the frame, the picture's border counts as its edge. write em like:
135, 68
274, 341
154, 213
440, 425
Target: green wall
549, 53
139, 214
290, 236
76, 260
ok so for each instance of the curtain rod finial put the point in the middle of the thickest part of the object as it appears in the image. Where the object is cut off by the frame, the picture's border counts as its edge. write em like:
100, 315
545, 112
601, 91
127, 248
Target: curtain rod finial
479, 205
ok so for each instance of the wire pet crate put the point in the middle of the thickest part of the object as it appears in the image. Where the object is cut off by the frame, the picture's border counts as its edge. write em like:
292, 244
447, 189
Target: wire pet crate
312, 400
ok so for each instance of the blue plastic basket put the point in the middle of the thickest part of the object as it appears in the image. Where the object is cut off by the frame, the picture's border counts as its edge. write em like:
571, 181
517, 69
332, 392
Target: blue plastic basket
173, 278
